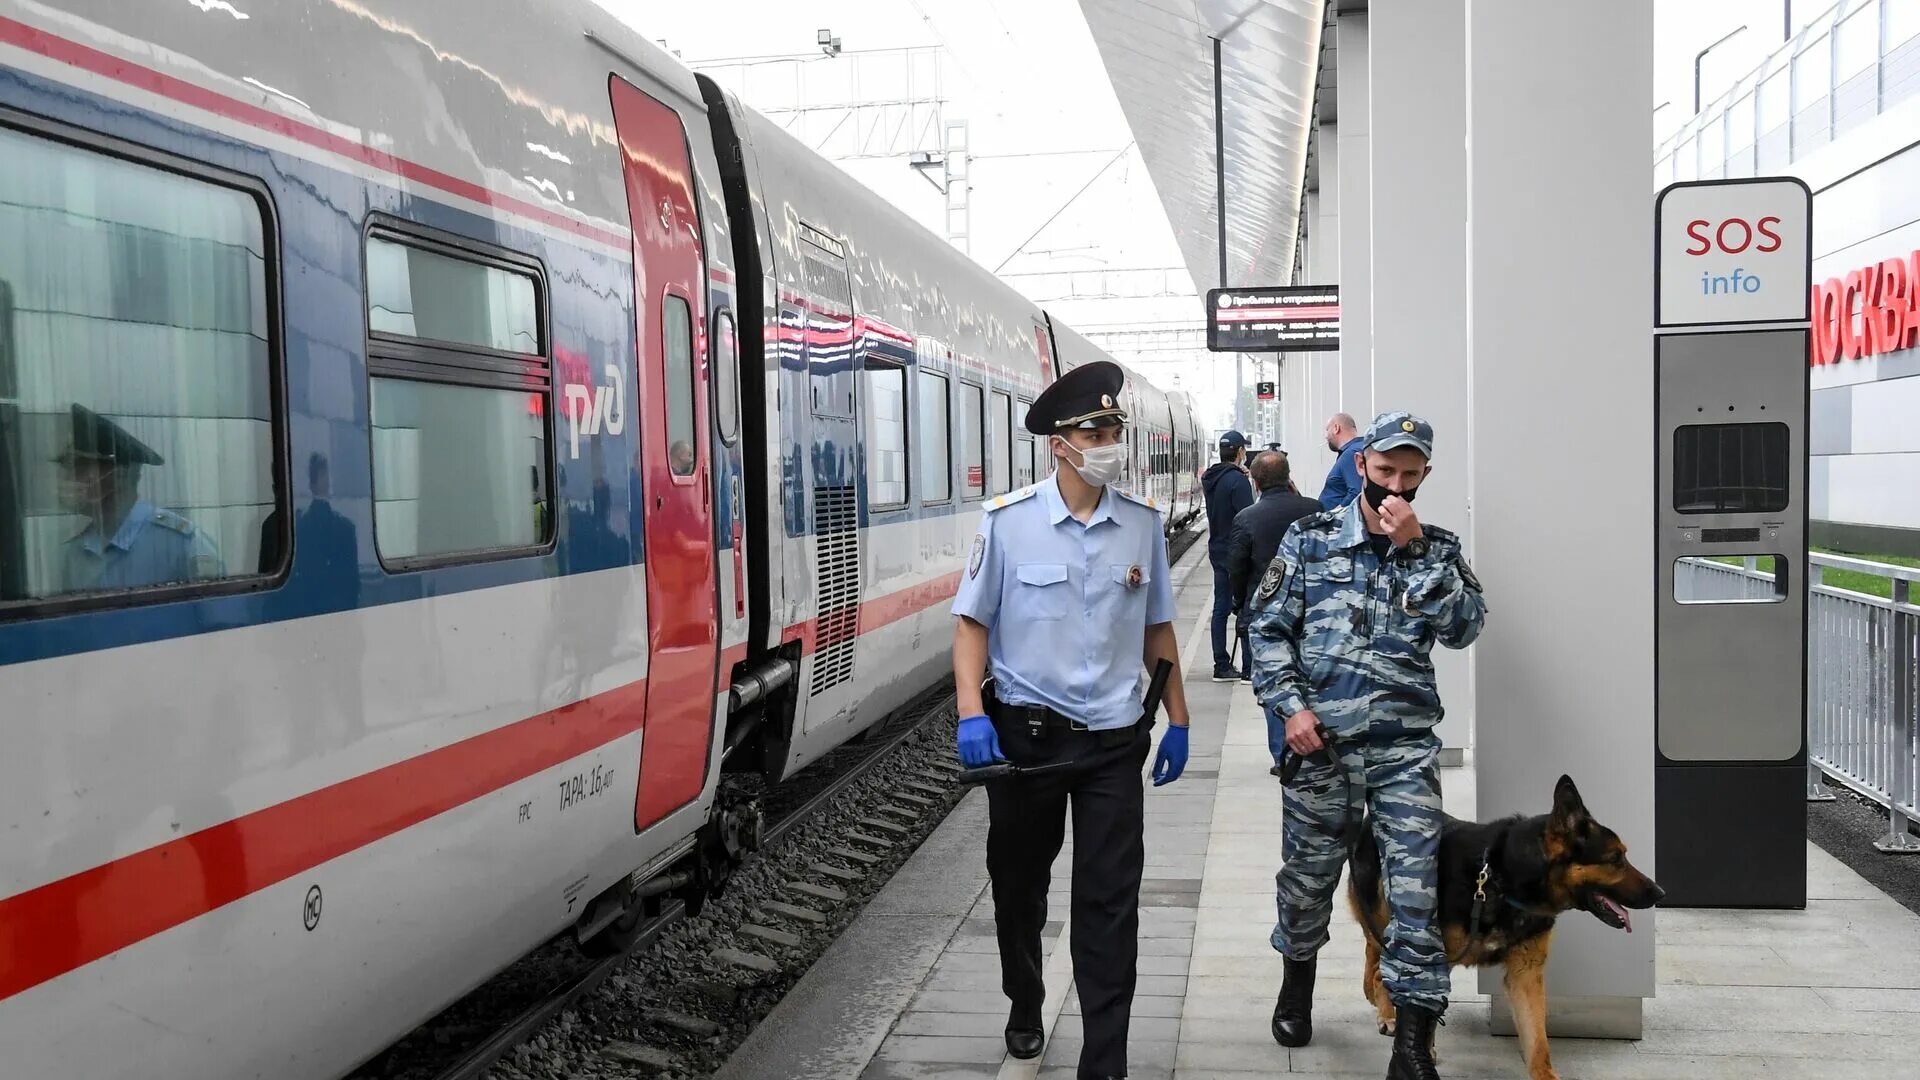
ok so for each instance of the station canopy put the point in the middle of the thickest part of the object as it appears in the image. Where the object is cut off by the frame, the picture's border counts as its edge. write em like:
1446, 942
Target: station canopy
1159, 55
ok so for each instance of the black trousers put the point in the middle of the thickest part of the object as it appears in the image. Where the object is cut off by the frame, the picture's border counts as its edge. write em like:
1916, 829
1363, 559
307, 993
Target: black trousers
1027, 821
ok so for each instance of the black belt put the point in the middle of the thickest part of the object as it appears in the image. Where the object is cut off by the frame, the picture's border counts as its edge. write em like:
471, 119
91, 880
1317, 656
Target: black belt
1042, 721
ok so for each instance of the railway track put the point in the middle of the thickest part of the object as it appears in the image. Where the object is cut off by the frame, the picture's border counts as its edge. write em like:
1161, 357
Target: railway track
471, 1037
640, 1013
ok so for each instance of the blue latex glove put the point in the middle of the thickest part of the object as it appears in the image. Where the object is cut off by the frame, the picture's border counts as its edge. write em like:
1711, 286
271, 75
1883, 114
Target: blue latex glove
1172, 758
980, 744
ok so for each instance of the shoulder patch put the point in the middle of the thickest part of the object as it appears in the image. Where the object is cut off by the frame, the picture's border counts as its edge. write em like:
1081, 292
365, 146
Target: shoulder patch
979, 555
1270, 581
167, 519
1011, 497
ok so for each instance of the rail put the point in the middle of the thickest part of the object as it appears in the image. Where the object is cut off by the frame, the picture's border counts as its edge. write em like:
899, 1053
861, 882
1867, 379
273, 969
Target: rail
1863, 685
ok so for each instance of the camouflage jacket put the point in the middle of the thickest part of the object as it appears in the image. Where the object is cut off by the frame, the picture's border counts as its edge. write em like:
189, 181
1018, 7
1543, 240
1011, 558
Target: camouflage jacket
1347, 634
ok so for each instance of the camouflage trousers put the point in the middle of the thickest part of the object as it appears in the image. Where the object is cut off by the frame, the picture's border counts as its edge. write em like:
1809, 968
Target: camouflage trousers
1397, 777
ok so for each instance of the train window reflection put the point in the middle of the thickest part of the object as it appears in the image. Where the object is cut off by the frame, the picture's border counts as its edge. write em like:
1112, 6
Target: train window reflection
681, 442
1002, 457
973, 483
885, 436
455, 469
416, 293
137, 426
934, 428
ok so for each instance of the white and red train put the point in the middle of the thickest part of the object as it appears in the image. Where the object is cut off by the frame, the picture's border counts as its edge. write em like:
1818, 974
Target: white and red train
514, 433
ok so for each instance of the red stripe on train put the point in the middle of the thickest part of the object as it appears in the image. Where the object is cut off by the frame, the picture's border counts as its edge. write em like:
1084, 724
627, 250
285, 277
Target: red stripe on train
134, 75
66, 924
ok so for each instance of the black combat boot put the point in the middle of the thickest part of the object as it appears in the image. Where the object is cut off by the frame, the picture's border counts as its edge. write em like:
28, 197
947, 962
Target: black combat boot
1413, 1045
1293, 1013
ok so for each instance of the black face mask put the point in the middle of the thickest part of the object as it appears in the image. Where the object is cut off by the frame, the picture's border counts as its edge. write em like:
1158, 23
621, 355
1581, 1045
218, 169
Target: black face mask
1376, 494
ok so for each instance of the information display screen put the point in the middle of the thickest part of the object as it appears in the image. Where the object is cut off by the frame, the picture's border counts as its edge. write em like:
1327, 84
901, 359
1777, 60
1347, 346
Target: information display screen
1731, 468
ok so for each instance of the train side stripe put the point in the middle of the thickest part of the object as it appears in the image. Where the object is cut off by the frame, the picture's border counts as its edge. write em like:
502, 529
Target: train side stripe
129, 73
66, 924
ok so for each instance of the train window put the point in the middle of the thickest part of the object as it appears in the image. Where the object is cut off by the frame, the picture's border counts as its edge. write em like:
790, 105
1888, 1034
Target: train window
138, 424
1023, 461
1001, 460
415, 292
677, 325
886, 434
451, 469
460, 384
973, 483
933, 424
726, 363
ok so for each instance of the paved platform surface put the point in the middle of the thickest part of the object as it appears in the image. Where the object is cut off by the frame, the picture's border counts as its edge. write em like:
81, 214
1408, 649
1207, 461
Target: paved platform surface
912, 990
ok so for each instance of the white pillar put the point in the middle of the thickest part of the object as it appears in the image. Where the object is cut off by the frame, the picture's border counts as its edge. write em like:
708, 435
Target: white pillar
1418, 98
1319, 371
1559, 236
1354, 183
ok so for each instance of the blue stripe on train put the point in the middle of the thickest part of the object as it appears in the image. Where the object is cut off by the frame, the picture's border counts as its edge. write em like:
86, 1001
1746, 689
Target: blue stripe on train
320, 213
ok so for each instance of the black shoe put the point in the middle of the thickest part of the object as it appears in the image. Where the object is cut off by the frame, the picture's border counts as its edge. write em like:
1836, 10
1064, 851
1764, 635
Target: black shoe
1275, 771
1025, 1043
1225, 674
1293, 1013
1413, 1045
1246, 676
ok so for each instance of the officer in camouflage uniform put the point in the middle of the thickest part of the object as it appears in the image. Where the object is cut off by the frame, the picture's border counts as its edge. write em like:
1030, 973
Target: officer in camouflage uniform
1344, 619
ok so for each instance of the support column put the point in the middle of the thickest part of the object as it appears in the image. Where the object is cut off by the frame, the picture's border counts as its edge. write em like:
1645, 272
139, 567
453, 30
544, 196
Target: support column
1559, 236
1355, 393
1418, 100
1319, 371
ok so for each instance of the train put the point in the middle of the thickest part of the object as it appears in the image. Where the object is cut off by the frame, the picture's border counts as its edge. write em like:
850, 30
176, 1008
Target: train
438, 445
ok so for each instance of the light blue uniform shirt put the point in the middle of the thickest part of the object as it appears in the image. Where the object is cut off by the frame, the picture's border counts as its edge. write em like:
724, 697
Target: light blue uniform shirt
151, 547
1066, 605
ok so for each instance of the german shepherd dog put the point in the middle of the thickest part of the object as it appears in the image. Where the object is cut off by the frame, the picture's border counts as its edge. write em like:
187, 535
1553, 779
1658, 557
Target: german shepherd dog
1502, 885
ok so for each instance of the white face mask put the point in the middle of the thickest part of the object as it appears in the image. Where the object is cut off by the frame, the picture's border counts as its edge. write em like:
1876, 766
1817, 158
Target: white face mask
1099, 465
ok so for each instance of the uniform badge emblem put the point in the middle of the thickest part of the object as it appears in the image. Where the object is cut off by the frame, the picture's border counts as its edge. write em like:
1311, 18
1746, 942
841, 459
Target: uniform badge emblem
979, 554
1270, 581
1133, 576
1106, 401
1406, 426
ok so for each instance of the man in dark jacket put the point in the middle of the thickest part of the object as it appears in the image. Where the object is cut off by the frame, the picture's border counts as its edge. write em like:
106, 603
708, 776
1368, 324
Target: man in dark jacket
1343, 480
1228, 492
1256, 536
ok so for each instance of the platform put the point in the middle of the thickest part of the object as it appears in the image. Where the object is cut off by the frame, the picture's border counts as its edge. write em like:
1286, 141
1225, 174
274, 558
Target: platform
911, 991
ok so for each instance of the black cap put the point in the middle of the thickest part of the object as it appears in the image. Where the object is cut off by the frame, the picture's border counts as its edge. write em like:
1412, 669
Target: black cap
96, 438
1232, 440
1086, 397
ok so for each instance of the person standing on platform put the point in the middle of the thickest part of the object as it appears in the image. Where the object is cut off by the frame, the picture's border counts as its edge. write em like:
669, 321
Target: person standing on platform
1256, 538
1344, 619
1064, 603
1228, 492
1343, 480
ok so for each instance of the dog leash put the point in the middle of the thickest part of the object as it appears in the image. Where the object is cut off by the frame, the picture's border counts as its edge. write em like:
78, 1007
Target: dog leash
1290, 767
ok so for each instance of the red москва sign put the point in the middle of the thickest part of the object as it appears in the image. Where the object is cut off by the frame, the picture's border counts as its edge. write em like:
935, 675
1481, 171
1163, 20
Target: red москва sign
1873, 310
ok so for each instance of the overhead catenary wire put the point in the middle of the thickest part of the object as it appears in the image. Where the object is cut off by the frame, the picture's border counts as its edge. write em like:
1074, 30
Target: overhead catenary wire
1111, 162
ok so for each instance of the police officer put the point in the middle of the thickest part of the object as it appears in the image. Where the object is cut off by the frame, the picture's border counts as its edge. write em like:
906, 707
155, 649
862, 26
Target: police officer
1065, 595
1344, 620
128, 542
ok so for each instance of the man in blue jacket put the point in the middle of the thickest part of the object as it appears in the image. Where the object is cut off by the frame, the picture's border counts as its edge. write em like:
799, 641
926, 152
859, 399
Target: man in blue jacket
1228, 492
1343, 480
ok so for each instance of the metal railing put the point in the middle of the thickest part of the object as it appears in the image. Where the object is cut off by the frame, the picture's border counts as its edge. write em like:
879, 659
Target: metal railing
1863, 685
1842, 69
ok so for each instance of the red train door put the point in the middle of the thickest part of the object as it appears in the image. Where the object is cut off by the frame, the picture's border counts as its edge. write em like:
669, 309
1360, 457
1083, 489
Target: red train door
670, 326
